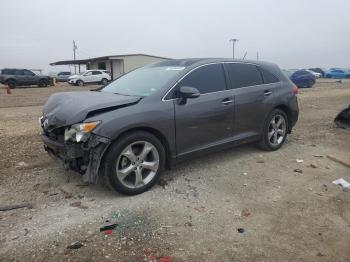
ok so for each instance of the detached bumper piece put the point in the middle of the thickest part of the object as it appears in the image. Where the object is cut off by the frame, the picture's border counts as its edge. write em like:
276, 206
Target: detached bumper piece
84, 158
342, 120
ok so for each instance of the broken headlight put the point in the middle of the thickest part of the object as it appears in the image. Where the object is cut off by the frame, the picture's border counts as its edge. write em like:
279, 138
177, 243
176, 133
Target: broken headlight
80, 132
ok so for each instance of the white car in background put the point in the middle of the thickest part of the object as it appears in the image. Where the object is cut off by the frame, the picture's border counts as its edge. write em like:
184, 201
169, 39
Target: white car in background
317, 75
90, 77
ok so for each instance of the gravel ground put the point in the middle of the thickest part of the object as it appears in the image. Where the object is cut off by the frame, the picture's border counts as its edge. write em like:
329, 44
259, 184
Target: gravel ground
241, 204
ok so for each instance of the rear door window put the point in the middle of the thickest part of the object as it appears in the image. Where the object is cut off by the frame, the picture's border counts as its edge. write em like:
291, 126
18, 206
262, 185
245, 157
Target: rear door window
96, 73
207, 79
243, 75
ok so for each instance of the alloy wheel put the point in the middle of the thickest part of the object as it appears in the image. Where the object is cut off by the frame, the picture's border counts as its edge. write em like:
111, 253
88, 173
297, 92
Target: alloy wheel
277, 130
137, 164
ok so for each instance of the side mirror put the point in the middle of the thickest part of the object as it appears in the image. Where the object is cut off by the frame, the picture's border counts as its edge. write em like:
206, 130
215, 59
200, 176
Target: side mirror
188, 92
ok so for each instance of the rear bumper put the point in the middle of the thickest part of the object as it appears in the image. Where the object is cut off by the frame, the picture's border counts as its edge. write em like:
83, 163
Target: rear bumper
84, 158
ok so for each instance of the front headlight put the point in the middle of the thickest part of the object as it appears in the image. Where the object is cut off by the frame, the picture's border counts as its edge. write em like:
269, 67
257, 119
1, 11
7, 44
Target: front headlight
80, 132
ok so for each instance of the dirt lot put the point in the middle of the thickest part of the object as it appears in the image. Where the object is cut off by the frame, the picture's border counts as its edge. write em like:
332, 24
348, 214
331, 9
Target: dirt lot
195, 214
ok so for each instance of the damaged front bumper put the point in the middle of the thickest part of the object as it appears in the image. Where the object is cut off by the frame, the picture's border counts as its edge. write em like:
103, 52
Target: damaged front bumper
84, 158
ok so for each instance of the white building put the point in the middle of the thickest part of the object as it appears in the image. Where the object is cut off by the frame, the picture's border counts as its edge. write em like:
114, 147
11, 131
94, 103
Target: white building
116, 64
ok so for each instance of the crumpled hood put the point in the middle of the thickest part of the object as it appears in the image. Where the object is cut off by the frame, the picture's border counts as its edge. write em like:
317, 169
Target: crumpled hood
67, 108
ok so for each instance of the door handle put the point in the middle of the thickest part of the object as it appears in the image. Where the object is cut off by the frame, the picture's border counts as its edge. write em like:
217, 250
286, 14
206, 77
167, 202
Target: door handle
226, 101
267, 92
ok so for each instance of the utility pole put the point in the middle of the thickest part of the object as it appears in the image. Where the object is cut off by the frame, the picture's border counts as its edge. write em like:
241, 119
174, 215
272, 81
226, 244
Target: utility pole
257, 56
74, 49
233, 40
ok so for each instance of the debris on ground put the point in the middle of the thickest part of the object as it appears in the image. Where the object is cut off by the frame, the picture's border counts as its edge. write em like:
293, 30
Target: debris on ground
162, 182
298, 170
245, 213
343, 183
188, 224
300, 161
78, 204
200, 209
21, 164
108, 225
66, 193
313, 165
320, 156
342, 120
260, 161
165, 259
240, 230
15, 206
347, 164
75, 245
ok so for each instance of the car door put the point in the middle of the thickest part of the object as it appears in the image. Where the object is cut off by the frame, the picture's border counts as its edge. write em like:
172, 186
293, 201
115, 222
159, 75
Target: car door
21, 78
253, 96
208, 119
88, 77
96, 76
30, 77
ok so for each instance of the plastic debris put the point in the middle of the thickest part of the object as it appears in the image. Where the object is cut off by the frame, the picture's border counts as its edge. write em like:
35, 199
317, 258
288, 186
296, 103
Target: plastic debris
75, 245
343, 183
342, 120
313, 165
108, 227
297, 170
300, 161
245, 213
240, 230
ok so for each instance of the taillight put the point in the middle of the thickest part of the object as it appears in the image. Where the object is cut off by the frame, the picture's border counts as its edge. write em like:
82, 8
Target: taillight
295, 90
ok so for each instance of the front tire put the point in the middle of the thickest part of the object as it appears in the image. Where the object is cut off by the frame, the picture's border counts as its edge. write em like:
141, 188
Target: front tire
275, 131
11, 84
80, 83
134, 162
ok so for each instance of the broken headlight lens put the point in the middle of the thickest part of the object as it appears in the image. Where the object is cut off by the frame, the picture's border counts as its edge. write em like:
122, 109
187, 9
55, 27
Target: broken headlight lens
80, 132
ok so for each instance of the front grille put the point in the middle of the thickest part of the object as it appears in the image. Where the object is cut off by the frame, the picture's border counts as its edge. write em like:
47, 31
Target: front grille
56, 134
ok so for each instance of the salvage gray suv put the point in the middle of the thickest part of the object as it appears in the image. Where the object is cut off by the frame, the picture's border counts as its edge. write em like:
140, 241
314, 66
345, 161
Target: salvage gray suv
160, 114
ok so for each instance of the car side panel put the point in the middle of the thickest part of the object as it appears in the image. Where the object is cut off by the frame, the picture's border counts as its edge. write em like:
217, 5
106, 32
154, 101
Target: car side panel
142, 115
252, 105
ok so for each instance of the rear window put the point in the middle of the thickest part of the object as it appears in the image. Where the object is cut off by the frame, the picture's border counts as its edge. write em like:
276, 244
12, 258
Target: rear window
243, 75
8, 71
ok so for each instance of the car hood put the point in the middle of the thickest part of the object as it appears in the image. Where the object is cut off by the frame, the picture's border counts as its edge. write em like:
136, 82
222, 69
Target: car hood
67, 108
73, 76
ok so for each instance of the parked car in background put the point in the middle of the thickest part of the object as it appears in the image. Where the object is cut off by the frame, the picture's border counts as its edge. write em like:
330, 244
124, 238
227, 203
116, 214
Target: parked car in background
317, 75
318, 70
303, 79
63, 76
90, 77
160, 114
23, 77
337, 73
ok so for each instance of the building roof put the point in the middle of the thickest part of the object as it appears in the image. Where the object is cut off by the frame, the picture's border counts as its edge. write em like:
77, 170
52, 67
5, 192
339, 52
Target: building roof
101, 58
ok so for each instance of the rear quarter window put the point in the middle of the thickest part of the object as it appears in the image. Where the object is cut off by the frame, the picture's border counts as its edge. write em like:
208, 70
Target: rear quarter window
268, 77
243, 75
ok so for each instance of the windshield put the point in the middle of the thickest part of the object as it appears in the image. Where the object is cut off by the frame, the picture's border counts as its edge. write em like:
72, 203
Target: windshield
143, 81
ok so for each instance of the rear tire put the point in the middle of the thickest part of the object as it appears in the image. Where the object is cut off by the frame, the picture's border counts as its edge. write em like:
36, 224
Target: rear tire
80, 83
127, 169
274, 136
104, 81
11, 84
